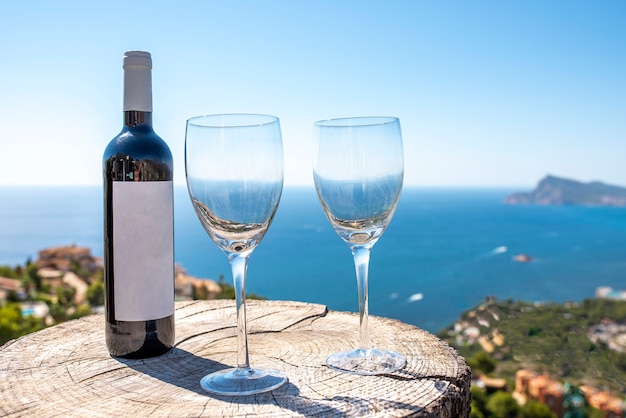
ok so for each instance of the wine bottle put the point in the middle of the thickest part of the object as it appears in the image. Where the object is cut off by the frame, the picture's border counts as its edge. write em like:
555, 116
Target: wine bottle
138, 225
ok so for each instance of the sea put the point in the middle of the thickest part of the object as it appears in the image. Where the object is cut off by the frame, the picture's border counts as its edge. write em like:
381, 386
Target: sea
444, 252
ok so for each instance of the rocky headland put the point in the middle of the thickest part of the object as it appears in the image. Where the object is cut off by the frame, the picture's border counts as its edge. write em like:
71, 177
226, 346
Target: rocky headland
552, 190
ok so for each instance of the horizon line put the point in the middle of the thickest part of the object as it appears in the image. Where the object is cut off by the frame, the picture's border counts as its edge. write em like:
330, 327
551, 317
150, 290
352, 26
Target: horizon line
296, 185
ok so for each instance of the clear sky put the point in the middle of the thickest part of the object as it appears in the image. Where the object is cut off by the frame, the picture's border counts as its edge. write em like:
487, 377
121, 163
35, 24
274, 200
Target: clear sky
489, 93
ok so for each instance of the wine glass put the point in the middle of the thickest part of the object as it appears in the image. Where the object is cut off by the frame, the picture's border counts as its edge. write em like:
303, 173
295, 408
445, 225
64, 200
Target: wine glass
234, 170
358, 170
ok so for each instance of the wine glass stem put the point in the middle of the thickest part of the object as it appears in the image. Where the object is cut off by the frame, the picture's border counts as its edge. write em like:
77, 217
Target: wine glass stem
239, 265
361, 263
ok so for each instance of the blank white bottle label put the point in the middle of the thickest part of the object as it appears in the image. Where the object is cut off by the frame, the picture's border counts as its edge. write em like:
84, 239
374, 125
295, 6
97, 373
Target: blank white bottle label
143, 250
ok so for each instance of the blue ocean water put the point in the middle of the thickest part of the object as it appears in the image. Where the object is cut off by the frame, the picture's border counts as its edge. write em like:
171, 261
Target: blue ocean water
444, 251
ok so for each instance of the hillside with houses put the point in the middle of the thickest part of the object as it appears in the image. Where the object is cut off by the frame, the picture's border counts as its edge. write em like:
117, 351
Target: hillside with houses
570, 357
66, 282
539, 359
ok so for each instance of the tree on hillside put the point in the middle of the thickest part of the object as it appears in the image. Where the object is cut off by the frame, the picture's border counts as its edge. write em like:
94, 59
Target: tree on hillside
95, 293
479, 401
65, 295
9, 272
482, 361
32, 271
535, 409
502, 405
13, 324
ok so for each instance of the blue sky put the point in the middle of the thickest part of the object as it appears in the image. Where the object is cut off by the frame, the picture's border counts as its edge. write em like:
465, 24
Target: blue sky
489, 93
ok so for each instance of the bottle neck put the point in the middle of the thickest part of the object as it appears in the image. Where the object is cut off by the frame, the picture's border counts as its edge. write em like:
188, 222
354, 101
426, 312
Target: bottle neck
137, 90
133, 118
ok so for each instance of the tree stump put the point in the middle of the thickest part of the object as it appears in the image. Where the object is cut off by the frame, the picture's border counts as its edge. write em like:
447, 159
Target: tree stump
66, 370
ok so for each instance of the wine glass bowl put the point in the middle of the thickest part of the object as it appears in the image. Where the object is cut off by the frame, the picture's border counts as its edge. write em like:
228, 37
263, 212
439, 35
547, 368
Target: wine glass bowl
234, 171
358, 170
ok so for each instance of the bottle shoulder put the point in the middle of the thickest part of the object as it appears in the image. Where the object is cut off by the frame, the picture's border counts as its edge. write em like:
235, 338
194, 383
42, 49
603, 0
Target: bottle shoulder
138, 143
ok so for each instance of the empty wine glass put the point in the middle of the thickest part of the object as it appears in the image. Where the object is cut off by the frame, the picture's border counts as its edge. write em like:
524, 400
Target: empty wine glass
358, 170
234, 169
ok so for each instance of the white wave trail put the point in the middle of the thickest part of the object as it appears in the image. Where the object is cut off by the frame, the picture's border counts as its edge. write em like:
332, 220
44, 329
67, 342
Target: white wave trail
499, 250
416, 297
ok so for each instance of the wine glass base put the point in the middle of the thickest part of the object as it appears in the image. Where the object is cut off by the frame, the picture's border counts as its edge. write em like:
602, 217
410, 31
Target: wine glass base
366, 362
236, 382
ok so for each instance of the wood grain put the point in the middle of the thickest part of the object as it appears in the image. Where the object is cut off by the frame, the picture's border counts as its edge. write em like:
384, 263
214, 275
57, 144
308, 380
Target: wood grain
66, 370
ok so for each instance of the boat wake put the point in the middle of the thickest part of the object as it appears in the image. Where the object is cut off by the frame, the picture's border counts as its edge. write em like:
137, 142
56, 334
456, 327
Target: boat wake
498, 250
415, 297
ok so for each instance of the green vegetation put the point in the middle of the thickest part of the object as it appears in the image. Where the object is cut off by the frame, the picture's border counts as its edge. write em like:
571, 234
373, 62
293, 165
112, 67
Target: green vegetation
535, 409
95, 292
13, 324
502, 404
500, 337
60, 301
482, 361
10, 272
228, 291
61, 304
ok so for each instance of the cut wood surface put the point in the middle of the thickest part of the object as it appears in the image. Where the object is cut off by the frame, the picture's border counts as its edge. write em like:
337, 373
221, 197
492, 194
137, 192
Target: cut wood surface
66, 370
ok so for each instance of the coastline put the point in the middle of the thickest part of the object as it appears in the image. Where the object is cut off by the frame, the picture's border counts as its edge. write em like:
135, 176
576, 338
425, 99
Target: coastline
451, 246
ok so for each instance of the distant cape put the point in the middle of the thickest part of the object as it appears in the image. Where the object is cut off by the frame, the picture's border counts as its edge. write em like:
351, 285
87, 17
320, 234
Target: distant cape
553, 190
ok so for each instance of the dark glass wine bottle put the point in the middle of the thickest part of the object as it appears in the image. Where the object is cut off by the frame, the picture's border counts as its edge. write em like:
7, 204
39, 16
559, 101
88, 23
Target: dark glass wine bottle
138, 225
